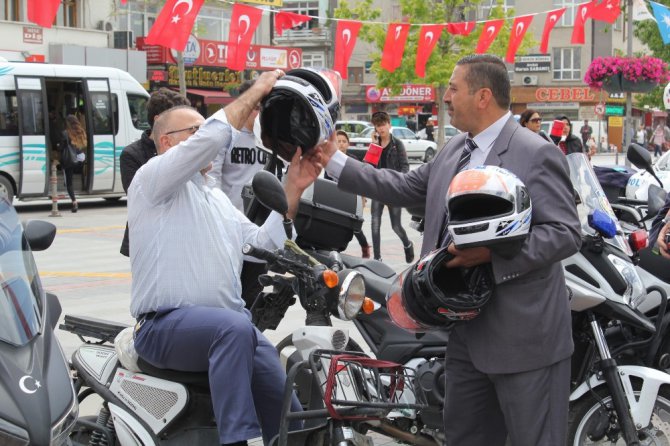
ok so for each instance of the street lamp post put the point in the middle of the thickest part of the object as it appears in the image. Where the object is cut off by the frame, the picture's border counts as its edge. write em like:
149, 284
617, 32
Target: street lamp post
628, 125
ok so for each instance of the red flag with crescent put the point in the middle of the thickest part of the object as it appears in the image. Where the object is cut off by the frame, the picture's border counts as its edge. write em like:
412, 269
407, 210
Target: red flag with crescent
519, 28
243, 24
394, 47
428, 37
43, 12
552, 19
583, 13
606, 11
488, 35
286, 20
174, 24
461, 28
345, 40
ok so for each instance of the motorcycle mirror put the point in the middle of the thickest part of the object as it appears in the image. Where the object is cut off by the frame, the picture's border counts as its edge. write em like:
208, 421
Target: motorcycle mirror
269, 192
39, 234
641, 158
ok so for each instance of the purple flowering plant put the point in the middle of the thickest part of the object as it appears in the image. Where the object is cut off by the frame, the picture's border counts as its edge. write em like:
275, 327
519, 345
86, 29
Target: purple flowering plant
634, 69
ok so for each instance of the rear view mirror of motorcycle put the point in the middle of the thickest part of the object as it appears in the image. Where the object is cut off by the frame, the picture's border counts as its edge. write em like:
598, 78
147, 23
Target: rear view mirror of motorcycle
39, 234
270, 193
641, 158
602, 223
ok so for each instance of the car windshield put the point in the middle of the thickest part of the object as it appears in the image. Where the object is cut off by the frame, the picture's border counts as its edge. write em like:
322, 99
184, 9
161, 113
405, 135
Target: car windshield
592, 197
22, 294
367, 132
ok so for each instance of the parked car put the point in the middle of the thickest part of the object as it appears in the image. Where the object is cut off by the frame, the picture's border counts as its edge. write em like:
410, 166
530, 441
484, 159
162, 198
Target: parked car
449, 132
353, 128
416, 148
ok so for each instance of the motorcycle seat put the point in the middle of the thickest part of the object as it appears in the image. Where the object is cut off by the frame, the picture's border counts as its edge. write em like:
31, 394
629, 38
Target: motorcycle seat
199, 379
374, 266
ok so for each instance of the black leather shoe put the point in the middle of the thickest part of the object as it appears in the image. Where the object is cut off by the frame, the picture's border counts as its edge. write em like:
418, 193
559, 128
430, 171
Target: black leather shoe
409, 252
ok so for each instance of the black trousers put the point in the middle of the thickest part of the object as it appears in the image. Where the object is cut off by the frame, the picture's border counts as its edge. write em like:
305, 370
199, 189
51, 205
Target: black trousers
68, 174
376, 209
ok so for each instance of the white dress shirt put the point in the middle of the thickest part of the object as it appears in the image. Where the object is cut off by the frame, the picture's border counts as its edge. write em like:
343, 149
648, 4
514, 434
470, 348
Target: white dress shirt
187, 236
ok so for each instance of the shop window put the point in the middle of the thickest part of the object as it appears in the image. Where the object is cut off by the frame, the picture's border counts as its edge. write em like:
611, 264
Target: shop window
567, 64
11, 11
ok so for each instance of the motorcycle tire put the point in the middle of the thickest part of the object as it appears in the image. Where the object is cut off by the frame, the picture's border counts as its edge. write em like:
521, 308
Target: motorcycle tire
587, 417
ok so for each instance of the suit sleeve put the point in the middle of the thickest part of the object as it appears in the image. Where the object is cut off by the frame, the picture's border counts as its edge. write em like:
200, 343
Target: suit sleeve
555, 232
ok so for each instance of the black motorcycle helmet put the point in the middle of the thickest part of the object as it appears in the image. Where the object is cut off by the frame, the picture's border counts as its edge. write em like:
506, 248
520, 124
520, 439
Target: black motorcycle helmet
300, 111
428, 295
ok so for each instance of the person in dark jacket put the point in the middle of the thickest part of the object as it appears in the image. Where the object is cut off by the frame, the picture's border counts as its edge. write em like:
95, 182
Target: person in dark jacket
568, 143
394, 157
137, 153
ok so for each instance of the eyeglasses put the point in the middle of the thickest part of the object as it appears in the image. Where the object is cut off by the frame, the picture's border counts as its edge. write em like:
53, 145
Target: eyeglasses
536, 120
192, 129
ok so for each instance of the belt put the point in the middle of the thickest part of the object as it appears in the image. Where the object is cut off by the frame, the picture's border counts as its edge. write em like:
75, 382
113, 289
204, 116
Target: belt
143, 318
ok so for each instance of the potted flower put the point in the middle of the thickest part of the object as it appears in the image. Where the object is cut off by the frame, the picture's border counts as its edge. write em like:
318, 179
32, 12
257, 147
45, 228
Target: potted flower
619, 74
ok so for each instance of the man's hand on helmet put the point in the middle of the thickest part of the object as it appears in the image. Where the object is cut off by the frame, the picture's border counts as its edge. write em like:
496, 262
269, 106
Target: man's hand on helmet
468, 257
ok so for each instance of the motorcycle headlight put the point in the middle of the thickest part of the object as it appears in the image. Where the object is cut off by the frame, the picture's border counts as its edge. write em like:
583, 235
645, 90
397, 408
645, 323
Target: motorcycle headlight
635, 292
352, 294
12, 435
62, 429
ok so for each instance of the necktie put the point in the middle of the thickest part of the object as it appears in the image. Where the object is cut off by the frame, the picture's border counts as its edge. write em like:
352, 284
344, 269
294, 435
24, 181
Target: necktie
463, 162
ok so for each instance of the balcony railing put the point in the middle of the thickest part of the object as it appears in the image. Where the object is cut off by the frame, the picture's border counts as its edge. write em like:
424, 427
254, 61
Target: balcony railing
319, 35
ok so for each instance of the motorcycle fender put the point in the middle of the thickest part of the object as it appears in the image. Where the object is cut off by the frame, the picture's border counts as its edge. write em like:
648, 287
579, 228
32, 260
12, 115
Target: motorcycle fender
641, 408
127, 429
309, 338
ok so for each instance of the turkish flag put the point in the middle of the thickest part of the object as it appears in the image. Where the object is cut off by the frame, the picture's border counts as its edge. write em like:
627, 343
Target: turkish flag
396, 37
606, 11
428, 37
243, 24
583, 13
551, 20
286, 20
460, 29
488, 35
519, 28
43, 12
345, 40
123, 2
174, 24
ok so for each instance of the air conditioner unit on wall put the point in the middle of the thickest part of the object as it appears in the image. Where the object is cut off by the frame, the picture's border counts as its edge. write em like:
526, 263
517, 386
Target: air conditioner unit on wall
124, 39
529, 80
104, 25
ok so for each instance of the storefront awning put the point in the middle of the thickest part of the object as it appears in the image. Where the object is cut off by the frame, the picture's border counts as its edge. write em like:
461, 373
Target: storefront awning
212, 96
659, 114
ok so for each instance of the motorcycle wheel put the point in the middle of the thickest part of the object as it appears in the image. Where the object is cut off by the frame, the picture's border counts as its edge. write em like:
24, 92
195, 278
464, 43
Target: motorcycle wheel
587, 417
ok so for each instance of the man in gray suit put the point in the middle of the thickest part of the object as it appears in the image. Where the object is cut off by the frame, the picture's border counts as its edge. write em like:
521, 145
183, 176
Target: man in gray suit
508, 370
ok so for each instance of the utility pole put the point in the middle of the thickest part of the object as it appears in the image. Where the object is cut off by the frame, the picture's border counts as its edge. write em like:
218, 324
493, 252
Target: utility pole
182, 77
628, 124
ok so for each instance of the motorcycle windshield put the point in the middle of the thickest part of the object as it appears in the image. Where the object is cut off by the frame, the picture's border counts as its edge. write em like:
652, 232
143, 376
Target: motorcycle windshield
592, 197
20, 289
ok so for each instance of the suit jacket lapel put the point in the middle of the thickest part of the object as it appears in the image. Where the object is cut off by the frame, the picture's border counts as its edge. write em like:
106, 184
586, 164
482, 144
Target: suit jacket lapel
501, 145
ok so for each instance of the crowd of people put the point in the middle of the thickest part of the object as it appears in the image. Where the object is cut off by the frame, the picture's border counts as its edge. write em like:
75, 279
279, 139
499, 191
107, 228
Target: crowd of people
184, 178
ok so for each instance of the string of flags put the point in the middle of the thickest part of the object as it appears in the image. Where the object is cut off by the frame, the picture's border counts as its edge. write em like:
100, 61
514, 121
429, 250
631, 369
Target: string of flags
177, 17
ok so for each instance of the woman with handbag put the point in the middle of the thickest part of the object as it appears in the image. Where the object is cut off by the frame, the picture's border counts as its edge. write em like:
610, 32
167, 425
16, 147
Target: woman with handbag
72, 154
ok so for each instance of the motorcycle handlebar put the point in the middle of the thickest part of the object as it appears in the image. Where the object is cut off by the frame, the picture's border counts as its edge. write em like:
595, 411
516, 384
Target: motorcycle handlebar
259, 253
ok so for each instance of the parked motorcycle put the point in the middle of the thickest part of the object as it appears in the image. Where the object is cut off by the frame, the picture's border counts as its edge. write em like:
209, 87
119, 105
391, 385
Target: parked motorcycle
38, 405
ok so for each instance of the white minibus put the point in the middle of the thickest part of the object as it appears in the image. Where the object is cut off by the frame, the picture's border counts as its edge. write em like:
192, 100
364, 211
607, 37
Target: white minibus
34, 101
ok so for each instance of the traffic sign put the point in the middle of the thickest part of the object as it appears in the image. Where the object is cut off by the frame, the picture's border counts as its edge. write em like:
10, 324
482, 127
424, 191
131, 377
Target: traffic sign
599, 109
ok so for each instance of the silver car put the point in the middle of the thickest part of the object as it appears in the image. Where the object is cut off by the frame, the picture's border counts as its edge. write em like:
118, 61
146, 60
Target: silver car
415, 147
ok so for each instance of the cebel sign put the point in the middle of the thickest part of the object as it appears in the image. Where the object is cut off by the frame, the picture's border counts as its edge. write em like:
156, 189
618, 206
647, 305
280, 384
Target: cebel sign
213, 53
565, 94
408, 93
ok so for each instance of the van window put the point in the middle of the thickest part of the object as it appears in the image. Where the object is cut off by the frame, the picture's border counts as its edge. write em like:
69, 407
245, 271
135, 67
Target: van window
9, 114
32, 118
138, 111
102, 113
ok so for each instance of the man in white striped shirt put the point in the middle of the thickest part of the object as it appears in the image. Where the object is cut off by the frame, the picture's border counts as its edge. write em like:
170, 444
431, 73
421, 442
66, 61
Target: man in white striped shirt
186, 260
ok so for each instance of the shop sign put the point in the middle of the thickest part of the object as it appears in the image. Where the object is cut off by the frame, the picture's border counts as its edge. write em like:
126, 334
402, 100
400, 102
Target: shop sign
615, 121
564, 94
553, 105
207, 78
614, 110
213, 53
532, 63
32, 34
408, 93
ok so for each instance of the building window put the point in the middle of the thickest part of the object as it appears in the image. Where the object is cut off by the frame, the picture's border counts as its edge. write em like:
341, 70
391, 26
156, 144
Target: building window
137, 17
568, 18
486, 5
68, 13
355, 75
212, 23
11, 11
310, 8
567, 64
313, 60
